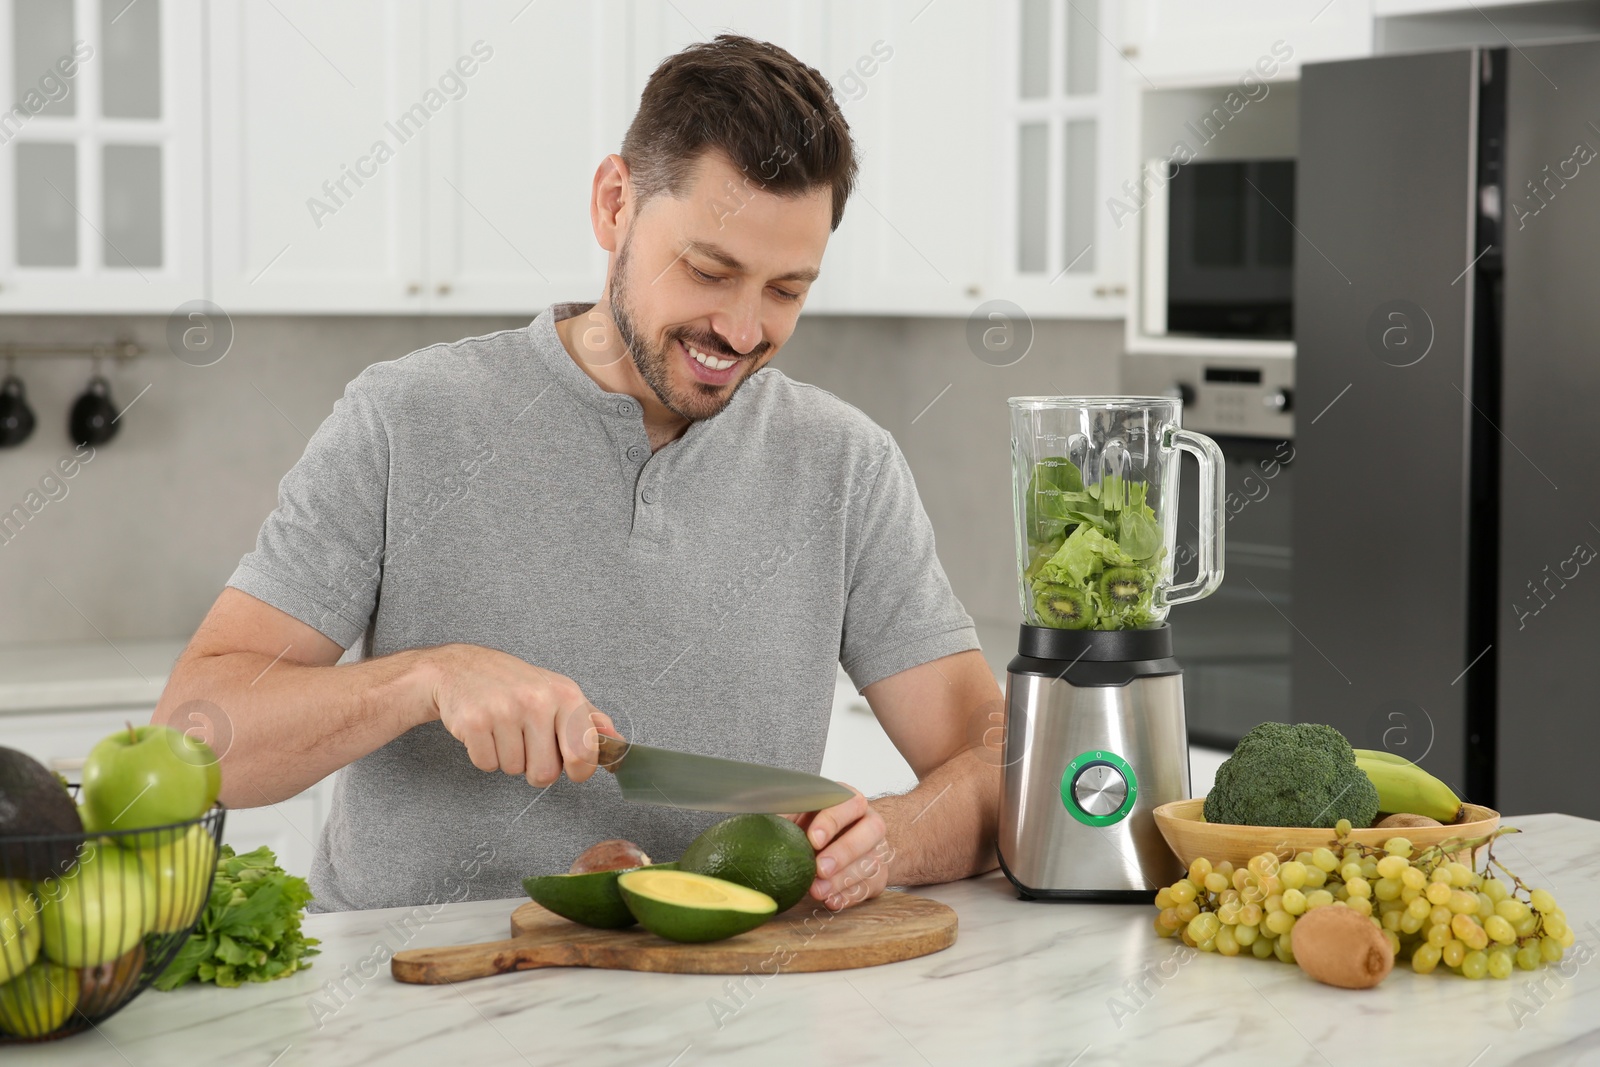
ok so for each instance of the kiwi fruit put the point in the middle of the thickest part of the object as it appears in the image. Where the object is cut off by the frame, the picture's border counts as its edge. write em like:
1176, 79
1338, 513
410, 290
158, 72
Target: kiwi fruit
1124, 587
1062, 606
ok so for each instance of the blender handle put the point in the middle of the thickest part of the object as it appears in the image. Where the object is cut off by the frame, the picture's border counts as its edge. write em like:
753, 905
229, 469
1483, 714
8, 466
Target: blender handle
1212, 519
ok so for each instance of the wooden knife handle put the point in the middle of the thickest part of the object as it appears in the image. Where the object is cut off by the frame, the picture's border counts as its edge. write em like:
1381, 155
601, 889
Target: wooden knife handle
612, 749
459, 963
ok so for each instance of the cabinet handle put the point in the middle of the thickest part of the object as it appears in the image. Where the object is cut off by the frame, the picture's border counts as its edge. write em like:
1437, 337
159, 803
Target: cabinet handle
66, 765
1131, 51
444, 289
413, 289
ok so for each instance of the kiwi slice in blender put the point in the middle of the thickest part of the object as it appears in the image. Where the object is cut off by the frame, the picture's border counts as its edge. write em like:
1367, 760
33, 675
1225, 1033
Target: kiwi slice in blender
1124, 587
1062, 606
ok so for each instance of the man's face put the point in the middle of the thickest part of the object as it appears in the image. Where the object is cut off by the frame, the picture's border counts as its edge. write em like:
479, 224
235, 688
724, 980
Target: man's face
708, 284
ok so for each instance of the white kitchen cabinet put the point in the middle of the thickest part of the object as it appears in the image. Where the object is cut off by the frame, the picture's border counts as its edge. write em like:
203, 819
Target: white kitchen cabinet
62, 738
444, 151
510, 163
1058, 111
1182, 42
916, 237
320, 122
101, 175
414, 157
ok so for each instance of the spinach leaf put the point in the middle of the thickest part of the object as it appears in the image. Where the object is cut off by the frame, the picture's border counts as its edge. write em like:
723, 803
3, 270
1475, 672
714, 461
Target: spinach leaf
1056, 483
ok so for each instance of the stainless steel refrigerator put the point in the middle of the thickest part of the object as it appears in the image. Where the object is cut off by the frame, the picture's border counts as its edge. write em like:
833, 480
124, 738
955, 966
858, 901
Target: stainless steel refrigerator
1446, 587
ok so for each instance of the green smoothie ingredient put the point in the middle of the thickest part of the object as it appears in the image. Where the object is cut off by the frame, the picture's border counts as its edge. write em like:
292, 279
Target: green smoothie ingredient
1292, 774
590, 898
681, 906
250, 930
766, 853
1093, 550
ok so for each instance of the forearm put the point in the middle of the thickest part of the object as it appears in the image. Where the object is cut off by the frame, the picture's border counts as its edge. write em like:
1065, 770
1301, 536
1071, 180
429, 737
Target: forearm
282, 727
945, 828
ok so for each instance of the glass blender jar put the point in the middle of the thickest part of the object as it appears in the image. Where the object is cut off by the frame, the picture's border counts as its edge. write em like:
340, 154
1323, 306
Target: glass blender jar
1095, 732
1095, 486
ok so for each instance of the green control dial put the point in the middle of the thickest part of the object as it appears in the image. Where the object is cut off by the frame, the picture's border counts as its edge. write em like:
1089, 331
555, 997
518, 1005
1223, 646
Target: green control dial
1099, 788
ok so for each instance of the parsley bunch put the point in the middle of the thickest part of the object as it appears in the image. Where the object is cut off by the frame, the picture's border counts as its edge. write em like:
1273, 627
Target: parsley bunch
250, 930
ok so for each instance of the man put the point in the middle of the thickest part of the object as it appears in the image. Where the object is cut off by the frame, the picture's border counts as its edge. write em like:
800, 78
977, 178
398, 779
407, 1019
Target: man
612, 519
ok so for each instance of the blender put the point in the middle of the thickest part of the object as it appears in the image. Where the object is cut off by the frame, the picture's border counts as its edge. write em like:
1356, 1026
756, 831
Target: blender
1095, 737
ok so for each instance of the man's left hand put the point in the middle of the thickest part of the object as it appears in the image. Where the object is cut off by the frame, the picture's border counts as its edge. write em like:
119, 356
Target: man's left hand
852, 851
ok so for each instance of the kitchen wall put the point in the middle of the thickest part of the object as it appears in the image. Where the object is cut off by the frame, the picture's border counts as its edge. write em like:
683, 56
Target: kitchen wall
138, 542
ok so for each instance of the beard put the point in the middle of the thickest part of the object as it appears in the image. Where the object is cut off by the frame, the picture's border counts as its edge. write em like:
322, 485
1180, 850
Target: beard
699, 400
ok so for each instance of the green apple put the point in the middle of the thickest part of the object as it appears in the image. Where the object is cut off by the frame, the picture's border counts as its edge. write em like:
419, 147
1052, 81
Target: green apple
96, 911
19, 928
39, 1000
148, 776
183, 871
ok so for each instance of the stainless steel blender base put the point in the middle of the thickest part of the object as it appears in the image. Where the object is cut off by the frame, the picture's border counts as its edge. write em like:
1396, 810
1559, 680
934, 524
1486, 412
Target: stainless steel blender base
1085, 767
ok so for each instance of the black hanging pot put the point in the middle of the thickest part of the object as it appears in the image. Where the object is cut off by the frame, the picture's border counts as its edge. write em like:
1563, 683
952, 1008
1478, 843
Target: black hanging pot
93, 420
16, 417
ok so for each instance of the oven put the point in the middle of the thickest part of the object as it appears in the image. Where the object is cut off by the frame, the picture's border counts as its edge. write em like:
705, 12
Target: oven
1235, 644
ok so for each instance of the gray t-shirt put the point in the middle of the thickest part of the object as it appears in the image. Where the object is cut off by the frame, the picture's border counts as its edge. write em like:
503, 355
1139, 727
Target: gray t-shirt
489, 492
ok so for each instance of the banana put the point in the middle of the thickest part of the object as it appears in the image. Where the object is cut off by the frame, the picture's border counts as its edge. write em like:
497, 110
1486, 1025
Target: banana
1405, 787
1382, 754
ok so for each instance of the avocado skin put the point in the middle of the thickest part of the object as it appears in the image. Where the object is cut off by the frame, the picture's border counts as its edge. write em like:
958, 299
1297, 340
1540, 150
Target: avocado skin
590, 899
767, 853
33, 802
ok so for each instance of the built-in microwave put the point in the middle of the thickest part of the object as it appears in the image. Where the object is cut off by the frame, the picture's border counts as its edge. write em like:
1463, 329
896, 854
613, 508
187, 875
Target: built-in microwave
1219, 252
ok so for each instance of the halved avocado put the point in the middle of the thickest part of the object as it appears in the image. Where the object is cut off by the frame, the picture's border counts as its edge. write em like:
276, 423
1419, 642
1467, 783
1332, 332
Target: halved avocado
590, 899
681, 906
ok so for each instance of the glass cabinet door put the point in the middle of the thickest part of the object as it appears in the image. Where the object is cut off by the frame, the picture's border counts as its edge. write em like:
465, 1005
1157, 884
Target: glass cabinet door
1060, 105
96, 151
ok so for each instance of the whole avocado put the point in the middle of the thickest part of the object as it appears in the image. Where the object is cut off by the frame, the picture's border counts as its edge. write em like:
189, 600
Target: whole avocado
1292, 774
33, 801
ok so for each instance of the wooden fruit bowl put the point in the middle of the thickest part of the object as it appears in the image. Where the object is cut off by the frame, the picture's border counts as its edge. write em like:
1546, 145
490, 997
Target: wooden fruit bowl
1183, 824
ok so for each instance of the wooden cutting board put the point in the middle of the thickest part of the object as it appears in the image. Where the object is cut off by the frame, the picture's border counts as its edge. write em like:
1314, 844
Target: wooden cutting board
808, 937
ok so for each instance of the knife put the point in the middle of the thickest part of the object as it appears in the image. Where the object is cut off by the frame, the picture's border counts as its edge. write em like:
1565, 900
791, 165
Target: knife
709, 783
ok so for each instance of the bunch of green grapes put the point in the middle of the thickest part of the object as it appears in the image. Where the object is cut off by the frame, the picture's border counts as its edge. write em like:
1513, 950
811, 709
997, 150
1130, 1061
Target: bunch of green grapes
1432, 910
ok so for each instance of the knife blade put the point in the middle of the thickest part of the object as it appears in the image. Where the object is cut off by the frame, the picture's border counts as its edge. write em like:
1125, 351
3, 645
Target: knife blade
649, 775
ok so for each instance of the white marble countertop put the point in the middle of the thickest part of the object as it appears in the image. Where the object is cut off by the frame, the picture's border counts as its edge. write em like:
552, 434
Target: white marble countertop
65, 675
1025, 983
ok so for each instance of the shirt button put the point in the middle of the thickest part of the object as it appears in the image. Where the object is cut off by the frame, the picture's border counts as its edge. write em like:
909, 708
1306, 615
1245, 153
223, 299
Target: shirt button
649, 496
625, 407
636, 452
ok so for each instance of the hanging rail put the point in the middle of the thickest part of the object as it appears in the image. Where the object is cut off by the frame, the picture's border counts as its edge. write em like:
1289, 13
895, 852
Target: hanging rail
121, 351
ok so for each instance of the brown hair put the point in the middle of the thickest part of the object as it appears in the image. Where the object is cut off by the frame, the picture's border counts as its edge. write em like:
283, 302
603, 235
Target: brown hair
769, 113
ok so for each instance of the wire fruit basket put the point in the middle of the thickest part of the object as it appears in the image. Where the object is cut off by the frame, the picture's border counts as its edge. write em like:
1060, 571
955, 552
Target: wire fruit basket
89, 920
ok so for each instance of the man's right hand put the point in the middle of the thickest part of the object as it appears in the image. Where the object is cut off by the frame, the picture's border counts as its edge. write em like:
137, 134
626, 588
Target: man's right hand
515, 717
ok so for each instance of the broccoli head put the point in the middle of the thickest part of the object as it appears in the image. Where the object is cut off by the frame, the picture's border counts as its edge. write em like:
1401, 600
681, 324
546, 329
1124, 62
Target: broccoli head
1292, 774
